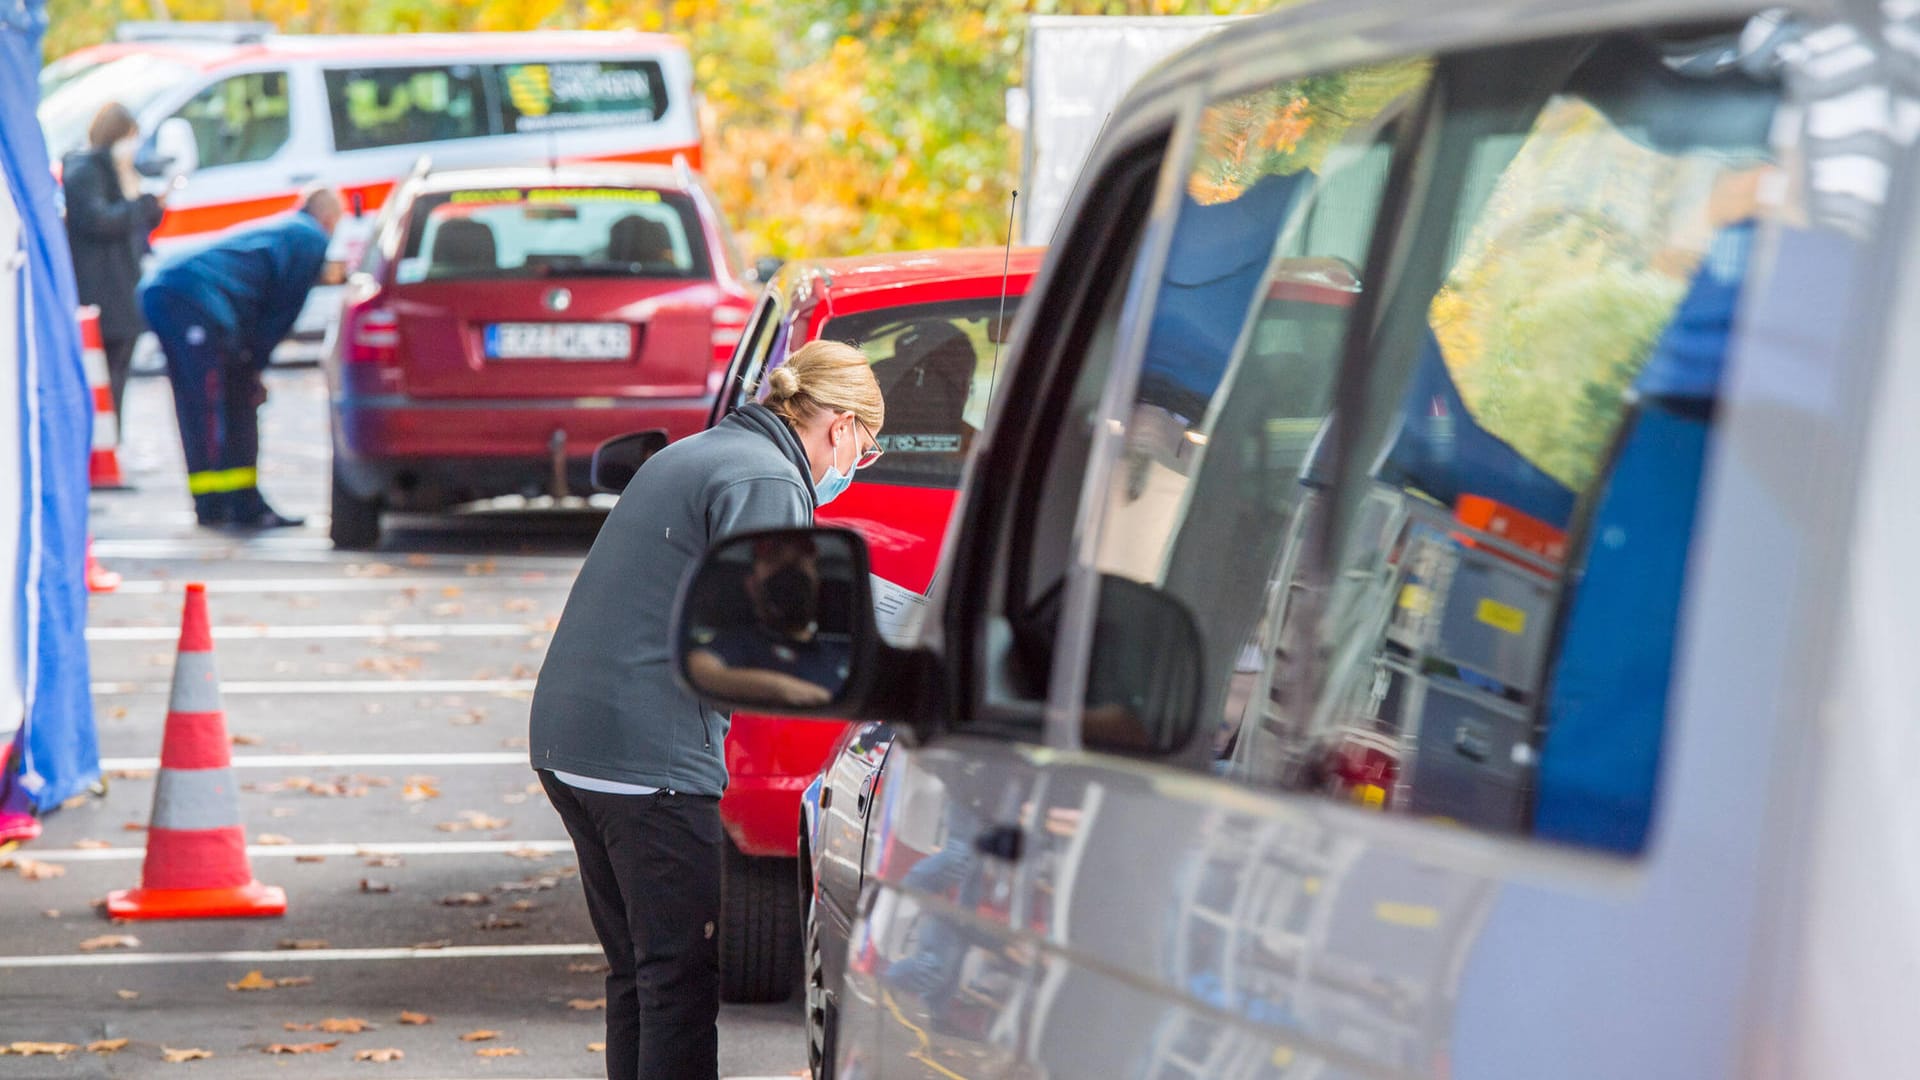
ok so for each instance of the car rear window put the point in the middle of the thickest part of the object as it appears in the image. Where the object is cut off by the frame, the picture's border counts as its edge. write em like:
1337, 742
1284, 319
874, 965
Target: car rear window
545, 232
935, 364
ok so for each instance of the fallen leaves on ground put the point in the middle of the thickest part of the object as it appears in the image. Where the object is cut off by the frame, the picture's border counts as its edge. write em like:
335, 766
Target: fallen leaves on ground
130, 774
253, 980
378, 569
597, 1048
437, 943
269, 839
368, 885
383, 1055
387, 861
134, 826
110, 941
175, 1057
523, 906
519, 603
242, 739
536, 883
587, 1004
106, 1046
309, 858
418, 559
128, 995
301, 1048
32, 1049
420, 789
465, 899
303, 943
91, 845
499, 922
497, 1051
31, 869
51, 913
74, 802
481, 1035
475, 820
528, 853
415, 1018
588, 967
345, 1025
481, 568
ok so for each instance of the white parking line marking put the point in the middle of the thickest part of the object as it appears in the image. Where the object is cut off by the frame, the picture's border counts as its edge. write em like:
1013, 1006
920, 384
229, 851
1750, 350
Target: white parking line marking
293, 956
294, 851
337, 686
353, 631
337, 761
157, 587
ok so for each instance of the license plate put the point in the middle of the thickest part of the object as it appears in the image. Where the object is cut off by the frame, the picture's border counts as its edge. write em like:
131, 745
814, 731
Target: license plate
559, 341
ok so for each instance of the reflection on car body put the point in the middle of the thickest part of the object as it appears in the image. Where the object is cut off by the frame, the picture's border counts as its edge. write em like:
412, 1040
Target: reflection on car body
1514, 575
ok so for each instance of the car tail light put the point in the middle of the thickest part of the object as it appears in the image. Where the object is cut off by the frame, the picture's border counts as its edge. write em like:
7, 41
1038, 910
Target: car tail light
728, 324
373, 333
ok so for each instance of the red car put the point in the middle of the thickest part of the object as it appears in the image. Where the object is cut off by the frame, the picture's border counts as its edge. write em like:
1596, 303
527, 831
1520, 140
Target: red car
505, 322
930, 321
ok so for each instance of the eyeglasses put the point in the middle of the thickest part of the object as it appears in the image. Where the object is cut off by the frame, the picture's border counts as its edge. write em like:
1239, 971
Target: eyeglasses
870, 455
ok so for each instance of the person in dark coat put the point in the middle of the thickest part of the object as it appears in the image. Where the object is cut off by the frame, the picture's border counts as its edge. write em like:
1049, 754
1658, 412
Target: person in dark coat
634, 764
108, 221
218, 313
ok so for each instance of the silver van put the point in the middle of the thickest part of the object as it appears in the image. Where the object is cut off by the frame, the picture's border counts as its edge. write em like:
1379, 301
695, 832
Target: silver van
1436, 594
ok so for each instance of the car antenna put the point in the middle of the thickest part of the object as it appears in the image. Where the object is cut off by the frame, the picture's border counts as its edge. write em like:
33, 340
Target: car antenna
1000, 320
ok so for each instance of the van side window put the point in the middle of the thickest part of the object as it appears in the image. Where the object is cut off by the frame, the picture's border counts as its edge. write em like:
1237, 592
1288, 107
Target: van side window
562, 96
399, 106
240, 119
1500, 623
1461, 601
1217, 475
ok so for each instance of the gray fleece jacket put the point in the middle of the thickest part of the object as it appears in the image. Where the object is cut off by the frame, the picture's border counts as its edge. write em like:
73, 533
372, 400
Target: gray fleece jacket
606, 705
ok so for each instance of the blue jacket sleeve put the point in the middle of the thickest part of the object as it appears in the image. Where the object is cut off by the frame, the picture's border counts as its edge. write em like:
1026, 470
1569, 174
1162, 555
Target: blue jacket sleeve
298, 260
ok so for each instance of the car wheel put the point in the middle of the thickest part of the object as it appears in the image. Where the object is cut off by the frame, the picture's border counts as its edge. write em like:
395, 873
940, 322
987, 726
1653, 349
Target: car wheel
823, 1023
356, 521
759, 929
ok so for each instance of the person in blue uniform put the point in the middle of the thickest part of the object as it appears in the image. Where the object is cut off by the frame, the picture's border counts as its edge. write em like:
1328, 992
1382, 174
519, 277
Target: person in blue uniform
218, 312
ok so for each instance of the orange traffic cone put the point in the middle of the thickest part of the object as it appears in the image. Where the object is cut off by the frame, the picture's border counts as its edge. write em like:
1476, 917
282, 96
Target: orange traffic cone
99, 578
103, 467
196, 848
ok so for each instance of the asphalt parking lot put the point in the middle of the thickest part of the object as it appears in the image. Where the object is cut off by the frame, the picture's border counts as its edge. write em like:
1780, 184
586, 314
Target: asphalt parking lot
377, 705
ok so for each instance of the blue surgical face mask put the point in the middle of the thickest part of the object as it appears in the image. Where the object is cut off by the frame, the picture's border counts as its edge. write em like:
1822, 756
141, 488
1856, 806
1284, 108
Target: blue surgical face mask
831, 485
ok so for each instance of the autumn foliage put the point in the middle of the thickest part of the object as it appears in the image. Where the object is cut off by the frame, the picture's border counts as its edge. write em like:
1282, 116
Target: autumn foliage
832, 126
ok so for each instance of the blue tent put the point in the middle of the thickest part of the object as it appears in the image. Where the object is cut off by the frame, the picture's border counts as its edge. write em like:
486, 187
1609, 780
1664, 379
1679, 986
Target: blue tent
44, 684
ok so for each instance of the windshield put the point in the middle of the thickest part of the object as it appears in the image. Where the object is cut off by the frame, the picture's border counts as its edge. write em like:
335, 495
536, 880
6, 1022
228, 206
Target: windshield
555, 232
134, 81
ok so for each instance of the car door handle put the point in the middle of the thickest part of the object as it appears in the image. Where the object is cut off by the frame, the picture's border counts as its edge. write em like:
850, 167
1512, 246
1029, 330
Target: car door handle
1000, 842
866, 793
826, 797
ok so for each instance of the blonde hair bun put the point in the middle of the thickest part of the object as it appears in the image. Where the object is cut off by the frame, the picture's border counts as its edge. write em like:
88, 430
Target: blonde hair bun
826, 375
782, 384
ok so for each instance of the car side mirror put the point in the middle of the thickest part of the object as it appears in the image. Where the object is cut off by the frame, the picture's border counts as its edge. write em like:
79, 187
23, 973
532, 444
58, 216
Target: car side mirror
176, 149
779, 621
1144, 676
765, 267
616, 460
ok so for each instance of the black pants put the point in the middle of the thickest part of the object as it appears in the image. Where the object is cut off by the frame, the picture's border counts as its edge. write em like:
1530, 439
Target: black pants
119, 366
216, 399
650, 865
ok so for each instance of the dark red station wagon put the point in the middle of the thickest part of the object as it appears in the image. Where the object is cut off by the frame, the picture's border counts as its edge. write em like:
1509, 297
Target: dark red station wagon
504, 322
